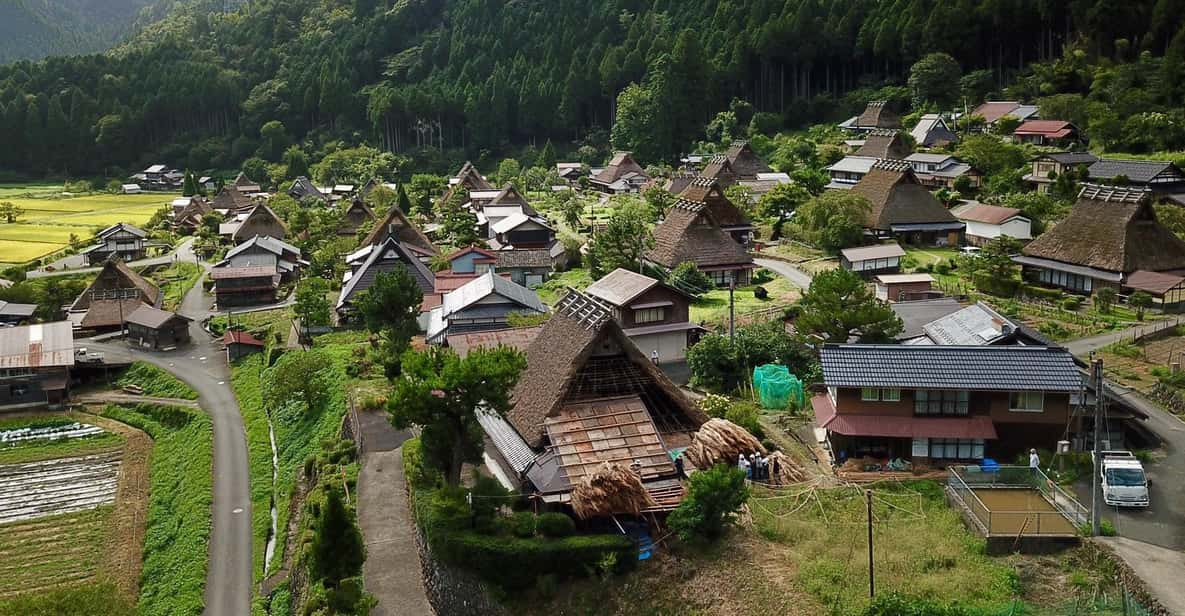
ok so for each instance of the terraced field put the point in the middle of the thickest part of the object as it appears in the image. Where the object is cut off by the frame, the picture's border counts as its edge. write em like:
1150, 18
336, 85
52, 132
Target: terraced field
42, 553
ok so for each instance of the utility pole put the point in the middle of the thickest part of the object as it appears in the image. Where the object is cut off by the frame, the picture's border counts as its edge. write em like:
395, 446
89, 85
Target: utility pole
1099, 396
871, 578
732, 285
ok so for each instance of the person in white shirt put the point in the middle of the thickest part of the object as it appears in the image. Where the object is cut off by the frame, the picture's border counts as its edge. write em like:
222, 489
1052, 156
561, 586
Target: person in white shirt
1034, 461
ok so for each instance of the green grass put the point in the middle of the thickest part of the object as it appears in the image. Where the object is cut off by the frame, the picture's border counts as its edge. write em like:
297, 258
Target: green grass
552, 290
30, 189
263, 323
713, 305
35, 552
245, 378
176, 280
86, 598
156, 382
177, 537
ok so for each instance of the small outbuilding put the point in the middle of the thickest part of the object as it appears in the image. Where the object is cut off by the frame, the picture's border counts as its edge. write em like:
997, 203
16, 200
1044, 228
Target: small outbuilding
154, 328
904, 287
240, 344
871, 260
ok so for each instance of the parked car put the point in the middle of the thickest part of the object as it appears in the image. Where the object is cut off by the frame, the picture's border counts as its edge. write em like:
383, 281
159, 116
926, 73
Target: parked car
1123, 479
82, 356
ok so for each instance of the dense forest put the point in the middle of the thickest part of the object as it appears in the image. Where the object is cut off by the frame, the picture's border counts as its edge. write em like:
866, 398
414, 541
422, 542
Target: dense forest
207, 87
33, 29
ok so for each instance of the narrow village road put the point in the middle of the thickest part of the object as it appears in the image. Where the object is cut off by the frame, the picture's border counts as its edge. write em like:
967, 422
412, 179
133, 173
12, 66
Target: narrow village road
1159, 568
74, 264
1083, 347
796, 276
203, 367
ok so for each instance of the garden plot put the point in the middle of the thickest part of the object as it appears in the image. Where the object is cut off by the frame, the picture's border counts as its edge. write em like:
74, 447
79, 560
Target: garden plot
49, 433
53, 487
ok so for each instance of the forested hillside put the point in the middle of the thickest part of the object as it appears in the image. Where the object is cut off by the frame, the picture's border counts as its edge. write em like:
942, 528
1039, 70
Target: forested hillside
464, 77
33, 29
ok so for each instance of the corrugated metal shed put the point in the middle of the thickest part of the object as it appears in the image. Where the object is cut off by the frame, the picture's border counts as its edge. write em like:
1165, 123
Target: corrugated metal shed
37, 346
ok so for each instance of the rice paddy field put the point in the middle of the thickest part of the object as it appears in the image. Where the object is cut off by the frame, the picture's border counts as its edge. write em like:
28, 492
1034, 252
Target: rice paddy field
50, 218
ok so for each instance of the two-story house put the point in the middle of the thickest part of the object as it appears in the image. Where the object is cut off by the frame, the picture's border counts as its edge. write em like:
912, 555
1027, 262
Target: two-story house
244, 286
942, 404
936, 171
128, 242
690, 233
483, 304
1048, 167
654, 315
282, 257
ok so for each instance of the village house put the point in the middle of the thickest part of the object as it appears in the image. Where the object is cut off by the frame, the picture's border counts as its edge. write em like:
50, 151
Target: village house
464, 265
941, 404
230, 201
720, 170
387, 256
249, 285
1049, 167
916, 314
904, 287
587, 397
1110, 235
1163, 178
158, 177
976, 325
1047, 132
12, 313
260, 220
881, 143
690, 233
37, 360
764, 182
153, 328
875, 115
303, 188
986, 222
621, 175
116, 293
848, 171
884, 143
127, 242
654, 315
679, 181
932, 131
469, 179
130, 189
745, 163
397, 225
992, 111
869, 261
903, 208
727, 215
484, 303
190, 217
240, 344
935, 171
246, 185
570, 172
262, 251
356, 215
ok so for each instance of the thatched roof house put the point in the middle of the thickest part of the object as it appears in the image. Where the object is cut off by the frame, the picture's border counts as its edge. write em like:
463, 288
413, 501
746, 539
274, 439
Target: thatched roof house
1111, 233
191, 215
901, 206
588, 397
469, 178
260, 220
877, 115
884, 143
396, 224
116, 293
691, 233
622, 174
731, 219
720, 169
231, 199
356, 215
745, 163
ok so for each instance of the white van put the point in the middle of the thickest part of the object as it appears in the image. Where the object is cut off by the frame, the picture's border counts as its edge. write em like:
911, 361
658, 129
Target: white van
1124, 482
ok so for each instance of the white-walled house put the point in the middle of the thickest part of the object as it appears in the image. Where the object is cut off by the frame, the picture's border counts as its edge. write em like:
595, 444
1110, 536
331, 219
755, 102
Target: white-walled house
987, 222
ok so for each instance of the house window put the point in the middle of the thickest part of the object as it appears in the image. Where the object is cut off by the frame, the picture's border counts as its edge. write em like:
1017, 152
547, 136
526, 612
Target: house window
891, 395
16, 391
481, 268
8, 373
1026, 401
721, 277
649, 315
870, 394
956, 448
940, 402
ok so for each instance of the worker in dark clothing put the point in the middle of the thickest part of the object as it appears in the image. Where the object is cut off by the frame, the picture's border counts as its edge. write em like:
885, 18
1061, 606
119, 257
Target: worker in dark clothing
679, 467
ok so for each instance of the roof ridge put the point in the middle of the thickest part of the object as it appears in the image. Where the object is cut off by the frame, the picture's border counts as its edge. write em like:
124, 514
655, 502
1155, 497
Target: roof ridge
1113, 194
583, 308
889, 164
883, 132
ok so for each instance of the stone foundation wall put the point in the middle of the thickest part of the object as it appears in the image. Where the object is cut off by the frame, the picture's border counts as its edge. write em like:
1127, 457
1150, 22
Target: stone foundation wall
1127, 579
452, 591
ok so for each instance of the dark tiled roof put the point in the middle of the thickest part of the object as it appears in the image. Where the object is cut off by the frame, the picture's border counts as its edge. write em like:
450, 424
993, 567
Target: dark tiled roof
992, 368
302, 187
1113, 229
1137, 171
689, 233
916, 314
152, 318
1071, 158
386, 257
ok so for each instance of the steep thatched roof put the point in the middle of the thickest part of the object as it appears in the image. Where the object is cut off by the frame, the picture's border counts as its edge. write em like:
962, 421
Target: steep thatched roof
878, 115
471, 179
1113, 229
746, 164
613, 488
230, 198
884, 143
621, 164
581, 330
720, 169
897, 198
711, 193
396, 224
689, 233
117, 275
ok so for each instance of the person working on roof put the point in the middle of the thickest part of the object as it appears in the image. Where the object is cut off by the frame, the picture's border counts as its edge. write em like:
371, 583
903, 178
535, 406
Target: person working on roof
654, 356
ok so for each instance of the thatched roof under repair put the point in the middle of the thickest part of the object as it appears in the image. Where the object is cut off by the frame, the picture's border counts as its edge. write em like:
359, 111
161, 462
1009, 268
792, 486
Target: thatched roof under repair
1114, 229
720, 441
611, 489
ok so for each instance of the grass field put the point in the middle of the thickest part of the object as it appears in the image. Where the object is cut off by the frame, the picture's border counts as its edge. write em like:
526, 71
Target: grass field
30, 189
46, 552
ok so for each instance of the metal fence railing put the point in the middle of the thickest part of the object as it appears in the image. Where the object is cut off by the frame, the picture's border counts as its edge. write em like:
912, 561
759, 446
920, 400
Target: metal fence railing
1068, 513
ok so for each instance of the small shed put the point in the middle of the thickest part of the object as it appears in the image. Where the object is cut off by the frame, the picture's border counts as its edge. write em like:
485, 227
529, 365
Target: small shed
1167, 289
240, 344
157, 329
904, 287
872, 260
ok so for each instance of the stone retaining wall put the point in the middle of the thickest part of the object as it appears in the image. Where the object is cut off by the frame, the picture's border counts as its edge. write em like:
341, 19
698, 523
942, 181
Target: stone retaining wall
452, 591
1127, 579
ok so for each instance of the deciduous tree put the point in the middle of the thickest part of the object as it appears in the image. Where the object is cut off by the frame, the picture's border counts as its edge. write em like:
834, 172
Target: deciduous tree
622, 242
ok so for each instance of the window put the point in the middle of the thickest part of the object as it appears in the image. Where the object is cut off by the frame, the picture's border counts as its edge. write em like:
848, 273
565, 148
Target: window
956, 448
1026, 401
870, 394
17, 391
481, 268
940, 402
649, 315
891, 395
8, 373
720, 278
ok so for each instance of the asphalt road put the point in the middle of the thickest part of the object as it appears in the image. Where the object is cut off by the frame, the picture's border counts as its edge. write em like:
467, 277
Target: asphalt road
75, 264
203, 367
796, 276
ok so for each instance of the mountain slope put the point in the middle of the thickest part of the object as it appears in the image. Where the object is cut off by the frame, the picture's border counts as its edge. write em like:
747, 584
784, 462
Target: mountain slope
33, 29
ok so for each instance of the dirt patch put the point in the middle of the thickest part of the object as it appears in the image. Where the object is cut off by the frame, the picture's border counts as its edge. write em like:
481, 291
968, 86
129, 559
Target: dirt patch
125, 545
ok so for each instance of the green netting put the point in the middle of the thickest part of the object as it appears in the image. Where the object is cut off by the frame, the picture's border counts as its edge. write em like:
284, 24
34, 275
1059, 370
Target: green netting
776, 387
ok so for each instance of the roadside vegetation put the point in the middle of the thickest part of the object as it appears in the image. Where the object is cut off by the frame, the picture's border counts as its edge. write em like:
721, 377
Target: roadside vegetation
156, 382
175, 281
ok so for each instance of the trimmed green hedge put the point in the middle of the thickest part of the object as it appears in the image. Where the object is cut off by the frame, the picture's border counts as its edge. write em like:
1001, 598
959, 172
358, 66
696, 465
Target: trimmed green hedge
508, 561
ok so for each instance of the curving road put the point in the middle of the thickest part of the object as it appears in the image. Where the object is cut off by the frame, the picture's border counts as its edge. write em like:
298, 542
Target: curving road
201, 365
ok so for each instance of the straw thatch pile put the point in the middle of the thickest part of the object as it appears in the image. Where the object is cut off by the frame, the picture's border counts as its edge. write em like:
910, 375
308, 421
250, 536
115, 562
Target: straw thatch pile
788, 470
612, 488
720, 441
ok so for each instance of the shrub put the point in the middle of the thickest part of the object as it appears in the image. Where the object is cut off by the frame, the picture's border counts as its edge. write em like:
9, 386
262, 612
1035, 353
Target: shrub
1054, 330
1073, 302
413, 465
1036, 292
556, 525
942, 268
760, 293
744, 414
893, 604
713, 498
761, 276
688, 278
522, 524
995, 286
715, 405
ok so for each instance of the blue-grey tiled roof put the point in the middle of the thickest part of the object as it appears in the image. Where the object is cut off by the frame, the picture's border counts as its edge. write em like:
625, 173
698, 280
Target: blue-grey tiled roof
993, 368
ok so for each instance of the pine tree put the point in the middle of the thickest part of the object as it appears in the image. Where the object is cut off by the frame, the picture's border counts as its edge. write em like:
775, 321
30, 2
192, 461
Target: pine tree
337, 551
189, 186
546, 157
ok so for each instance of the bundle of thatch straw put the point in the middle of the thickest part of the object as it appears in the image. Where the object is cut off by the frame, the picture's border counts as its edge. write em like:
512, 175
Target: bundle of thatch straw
783, 470
720, 441
612, 488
